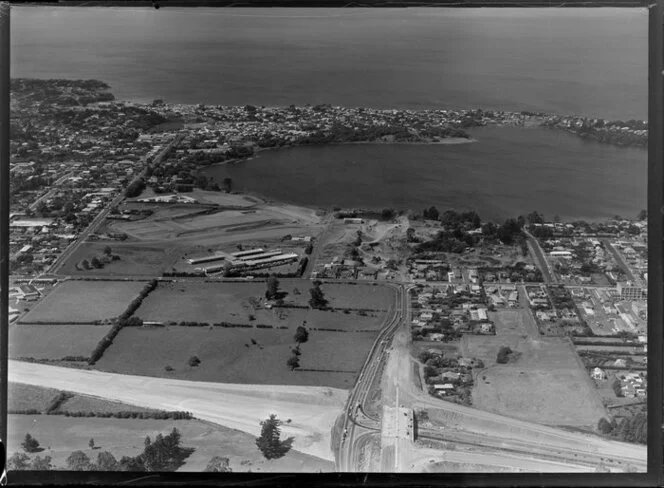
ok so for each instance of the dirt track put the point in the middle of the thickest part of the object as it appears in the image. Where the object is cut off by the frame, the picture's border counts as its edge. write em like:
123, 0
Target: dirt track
313, 410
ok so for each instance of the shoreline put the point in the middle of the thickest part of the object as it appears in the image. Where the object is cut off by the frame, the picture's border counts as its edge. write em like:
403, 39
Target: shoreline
444, 142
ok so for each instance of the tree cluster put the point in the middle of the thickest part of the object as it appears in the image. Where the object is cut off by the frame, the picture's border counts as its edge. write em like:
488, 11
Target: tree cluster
317, 300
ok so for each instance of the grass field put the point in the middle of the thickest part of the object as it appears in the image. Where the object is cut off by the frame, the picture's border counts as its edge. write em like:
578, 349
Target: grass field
60, 436
54, 341
236, 302
25, 397
511, 322
229, 356
84, 301
546, 383
378, 297
135, 259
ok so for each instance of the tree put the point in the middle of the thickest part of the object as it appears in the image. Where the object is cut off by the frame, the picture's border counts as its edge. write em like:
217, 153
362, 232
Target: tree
643, 215
317, 299
107, 462
79, 461
301, 335
272, 287
293, 362
30, 444
309, 249
91, 443
535, 218
108, 251
194, 361
228, 184
86, 264
18, 462
218, 464
41, 463
269, 442
296, 351
604, 426
431, 213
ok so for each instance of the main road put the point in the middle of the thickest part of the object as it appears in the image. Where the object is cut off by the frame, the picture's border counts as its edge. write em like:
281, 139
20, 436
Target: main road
96, 222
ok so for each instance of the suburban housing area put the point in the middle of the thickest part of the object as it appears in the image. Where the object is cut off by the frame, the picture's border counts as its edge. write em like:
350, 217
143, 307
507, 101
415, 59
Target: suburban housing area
153, 308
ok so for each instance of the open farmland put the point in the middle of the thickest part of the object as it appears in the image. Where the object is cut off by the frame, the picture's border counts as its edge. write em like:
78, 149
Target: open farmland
84, 302
25, 397
215, 302
125, 437
545, 383
54, 341
135, 259
361, 295
228, 355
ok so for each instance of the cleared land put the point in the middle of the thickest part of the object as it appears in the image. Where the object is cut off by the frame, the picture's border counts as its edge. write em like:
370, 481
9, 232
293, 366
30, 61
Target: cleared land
545, 383
54, 341
125, 437
187, 225
84, 302
313, 410
228, 355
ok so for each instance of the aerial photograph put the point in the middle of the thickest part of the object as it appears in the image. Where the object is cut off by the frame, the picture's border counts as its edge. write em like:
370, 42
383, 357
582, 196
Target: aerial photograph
317, 240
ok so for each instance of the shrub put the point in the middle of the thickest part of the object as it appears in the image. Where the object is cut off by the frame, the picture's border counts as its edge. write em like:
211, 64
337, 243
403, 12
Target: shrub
194, 361
503, 354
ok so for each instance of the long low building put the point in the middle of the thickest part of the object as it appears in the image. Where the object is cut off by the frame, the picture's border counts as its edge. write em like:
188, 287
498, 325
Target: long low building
253, 264
205, 259
248, 252
255, 257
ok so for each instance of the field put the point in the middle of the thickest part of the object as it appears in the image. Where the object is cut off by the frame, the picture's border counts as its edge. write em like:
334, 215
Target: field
60, 436
54, 341
545, 383
367, 296
511, 322
24, 397
135, 259
235, 302
228, 355
84, 302
186, 225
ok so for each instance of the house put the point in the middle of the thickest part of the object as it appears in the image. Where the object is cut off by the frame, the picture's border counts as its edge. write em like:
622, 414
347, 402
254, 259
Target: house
450, 376
28, 292
486, 328
598, 374
444, 388
620, 363
465, 362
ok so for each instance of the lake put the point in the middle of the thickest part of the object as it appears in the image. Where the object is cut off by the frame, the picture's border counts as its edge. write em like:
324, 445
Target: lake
507, 172
581, 61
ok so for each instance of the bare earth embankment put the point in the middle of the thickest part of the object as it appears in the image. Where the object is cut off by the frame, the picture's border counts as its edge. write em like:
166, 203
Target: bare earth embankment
312, 410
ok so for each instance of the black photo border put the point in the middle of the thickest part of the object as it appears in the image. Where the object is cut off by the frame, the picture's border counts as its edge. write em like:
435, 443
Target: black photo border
653, 477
